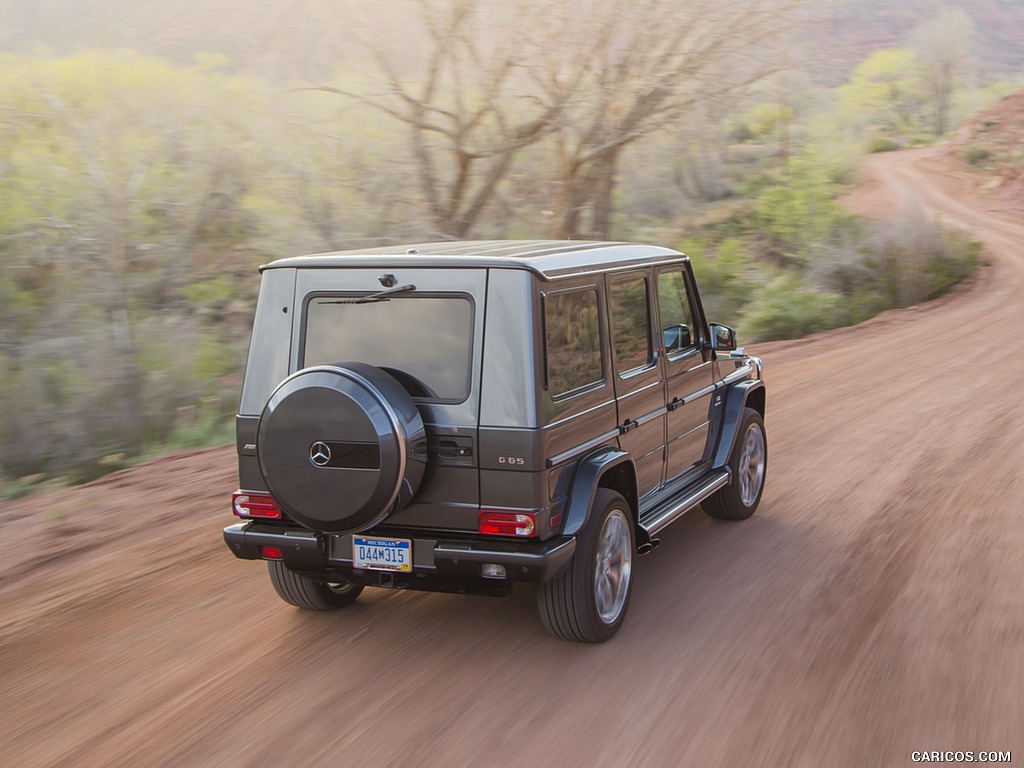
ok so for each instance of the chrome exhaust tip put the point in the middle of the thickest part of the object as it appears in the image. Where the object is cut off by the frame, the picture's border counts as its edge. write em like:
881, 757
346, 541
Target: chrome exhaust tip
648, 546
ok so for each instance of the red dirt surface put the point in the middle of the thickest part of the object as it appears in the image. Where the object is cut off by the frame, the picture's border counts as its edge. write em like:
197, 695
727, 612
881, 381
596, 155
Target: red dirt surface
872, 608
999, 131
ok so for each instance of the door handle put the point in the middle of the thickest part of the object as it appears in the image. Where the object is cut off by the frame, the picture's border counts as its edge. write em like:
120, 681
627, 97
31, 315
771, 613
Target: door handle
674, 403
627, 425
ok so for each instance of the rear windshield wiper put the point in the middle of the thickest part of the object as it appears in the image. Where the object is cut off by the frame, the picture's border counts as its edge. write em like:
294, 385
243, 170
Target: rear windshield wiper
372, 297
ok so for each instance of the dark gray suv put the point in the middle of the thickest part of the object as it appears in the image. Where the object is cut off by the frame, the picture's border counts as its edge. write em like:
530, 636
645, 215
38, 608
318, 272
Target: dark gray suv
463, 416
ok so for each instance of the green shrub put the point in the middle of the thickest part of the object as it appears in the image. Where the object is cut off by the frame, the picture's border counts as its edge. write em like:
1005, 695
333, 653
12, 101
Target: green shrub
916, 260
15, 488
974, 155
725, 275
883, 144
947, 266
201, 426
898, 264
788, 309
797, 217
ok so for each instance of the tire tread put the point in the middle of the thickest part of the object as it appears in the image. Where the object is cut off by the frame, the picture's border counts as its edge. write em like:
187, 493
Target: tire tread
725, 504
561, 602
305, 593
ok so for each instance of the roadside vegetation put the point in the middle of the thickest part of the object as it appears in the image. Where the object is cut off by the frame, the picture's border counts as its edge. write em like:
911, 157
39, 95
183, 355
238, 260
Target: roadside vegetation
137, 198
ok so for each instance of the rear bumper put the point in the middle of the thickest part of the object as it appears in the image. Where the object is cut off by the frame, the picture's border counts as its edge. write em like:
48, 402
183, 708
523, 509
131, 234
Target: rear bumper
439, 564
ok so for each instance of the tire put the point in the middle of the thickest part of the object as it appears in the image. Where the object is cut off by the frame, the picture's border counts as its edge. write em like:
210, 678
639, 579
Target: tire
341, 446
588, 601
312, 595
749, 464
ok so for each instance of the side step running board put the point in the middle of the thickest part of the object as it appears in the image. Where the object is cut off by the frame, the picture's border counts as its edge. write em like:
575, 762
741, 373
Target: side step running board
659, 517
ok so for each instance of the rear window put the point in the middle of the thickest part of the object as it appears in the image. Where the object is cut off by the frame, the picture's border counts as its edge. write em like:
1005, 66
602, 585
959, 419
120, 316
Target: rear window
425, 342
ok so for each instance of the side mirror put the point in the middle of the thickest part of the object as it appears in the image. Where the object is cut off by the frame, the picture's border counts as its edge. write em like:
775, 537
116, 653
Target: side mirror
677, 337
723, 338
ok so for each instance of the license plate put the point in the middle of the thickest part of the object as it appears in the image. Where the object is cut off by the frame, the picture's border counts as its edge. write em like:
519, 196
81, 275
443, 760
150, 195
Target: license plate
378, 554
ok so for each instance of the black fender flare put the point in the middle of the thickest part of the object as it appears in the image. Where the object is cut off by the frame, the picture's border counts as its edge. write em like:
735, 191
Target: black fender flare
735, 401
586, 482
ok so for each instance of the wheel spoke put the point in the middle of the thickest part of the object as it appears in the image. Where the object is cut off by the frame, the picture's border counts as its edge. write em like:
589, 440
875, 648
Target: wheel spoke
751, 465
603, 595
612, 568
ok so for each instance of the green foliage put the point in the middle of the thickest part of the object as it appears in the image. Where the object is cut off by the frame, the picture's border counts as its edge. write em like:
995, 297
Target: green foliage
727, 276
211, 298
894, 265
788, 309
883, 144
760, 122
199, 426
214, 358
883, 91
121, 176
16, 487
974, 155
797, 217
793, 263
916, 261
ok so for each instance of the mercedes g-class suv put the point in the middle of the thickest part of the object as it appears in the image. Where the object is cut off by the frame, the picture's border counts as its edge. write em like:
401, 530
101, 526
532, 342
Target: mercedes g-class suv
463, 416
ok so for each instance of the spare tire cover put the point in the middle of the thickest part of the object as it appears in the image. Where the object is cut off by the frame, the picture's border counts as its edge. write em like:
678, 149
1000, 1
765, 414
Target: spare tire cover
341, 446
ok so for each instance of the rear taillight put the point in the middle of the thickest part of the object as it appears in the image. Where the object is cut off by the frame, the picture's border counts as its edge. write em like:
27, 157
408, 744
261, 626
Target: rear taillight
270, 552
259, 505
507, 523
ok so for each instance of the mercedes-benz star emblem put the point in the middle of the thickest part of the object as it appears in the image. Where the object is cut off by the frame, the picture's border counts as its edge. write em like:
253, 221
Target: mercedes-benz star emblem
320, 453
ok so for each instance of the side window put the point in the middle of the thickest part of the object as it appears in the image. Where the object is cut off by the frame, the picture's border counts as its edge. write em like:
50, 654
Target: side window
630, 323
573, 341
676, 317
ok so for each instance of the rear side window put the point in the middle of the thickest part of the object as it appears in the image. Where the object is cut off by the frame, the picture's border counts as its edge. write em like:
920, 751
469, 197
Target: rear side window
573, 341
425, 342
270, 347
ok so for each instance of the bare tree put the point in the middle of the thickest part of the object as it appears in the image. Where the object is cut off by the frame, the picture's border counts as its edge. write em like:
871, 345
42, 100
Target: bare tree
597, 75
471, 106
699, 165
639, 65
942, 49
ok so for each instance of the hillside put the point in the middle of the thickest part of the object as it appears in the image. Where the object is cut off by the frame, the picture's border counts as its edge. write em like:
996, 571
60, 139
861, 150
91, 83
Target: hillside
848, 31
992, 142
308, 38
282, 38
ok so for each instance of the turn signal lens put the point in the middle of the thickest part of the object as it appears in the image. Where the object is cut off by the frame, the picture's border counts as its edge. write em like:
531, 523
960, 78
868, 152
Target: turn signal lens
496, 523
255, 505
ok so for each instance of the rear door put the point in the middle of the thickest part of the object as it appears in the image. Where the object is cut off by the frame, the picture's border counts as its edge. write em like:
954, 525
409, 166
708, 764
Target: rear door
638, 376
428, 338
689, 371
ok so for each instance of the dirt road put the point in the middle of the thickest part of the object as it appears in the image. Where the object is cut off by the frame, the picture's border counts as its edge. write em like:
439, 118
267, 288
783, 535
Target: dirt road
872, 608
